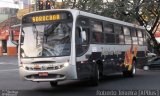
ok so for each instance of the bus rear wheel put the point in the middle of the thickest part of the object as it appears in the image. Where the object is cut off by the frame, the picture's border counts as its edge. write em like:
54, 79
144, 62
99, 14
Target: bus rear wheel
132, 72
53, 83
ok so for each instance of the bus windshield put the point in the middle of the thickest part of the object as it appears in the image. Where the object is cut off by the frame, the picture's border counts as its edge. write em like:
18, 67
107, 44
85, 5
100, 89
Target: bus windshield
46, 39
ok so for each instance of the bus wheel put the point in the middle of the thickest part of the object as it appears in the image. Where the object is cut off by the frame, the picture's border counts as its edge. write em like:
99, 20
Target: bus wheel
53, 83
95, 79
132, 72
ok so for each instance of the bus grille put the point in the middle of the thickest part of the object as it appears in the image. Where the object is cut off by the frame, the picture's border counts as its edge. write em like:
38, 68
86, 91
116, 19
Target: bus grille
45, 68
50, 76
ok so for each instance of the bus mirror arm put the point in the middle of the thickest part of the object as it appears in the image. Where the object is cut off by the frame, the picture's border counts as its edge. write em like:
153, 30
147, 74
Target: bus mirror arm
80, 27
12, 38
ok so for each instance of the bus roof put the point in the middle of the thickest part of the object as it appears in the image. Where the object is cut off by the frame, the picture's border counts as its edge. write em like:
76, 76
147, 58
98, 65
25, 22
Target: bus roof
110, 20
93, 16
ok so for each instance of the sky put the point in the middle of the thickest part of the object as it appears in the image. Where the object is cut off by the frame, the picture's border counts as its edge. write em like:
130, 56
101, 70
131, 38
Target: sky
8, 3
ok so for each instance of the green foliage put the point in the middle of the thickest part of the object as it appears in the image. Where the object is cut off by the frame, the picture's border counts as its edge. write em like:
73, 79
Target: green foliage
119, 9
142, 12
93, 6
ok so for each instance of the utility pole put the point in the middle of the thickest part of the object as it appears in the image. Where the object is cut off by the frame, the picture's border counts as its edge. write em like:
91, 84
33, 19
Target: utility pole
35, 6
29, 5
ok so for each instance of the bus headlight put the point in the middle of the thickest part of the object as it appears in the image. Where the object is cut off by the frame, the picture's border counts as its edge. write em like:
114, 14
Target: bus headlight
66, 64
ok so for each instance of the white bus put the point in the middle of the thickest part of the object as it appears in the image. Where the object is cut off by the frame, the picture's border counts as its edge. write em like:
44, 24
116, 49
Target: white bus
67, 44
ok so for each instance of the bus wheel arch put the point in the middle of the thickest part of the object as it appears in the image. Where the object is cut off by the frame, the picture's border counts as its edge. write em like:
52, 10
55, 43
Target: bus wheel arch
132, 72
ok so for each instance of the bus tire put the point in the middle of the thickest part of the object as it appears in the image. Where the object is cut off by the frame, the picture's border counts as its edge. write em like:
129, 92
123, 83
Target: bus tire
95, 79
53, 83
132, 72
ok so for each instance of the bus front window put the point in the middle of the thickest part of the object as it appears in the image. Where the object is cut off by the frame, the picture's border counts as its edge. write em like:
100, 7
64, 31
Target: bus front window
51, 39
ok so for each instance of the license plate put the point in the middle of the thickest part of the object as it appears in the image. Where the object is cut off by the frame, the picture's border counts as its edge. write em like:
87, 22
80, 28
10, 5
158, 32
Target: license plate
43, 74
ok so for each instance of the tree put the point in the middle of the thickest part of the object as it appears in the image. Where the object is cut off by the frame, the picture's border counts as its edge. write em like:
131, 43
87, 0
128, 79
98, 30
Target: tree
144, 12
147, 13
22, 12
92, 6
118, 9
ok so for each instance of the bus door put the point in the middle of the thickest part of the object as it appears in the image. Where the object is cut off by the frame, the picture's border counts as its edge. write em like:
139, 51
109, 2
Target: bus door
82, 45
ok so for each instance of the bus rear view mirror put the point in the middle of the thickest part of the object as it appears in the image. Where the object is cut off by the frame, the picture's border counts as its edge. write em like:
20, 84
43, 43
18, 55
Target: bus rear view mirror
82, 34
12, 38
12, 35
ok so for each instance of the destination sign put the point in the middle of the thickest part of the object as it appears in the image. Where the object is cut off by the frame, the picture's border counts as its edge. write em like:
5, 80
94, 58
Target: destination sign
46, 17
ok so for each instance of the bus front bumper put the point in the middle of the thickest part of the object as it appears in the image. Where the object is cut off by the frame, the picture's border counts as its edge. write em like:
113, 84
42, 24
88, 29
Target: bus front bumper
66, 73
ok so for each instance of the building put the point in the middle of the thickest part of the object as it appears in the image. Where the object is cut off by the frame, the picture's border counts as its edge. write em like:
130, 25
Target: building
7, 48
8, 18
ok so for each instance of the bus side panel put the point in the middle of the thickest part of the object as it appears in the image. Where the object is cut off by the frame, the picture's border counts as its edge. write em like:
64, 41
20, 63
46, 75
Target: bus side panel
85, 67
141, 59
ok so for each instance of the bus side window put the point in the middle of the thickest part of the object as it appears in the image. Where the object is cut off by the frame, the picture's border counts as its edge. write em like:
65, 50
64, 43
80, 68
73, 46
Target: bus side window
97, 35
109, 36
78, 37
140, 37
145, 37
134, 36
119, 37
127, 33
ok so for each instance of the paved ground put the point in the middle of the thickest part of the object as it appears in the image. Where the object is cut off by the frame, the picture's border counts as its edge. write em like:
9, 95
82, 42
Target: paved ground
10, 82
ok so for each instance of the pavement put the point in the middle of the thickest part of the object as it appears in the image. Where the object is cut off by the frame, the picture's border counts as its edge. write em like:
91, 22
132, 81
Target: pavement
146, 83
8, 60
